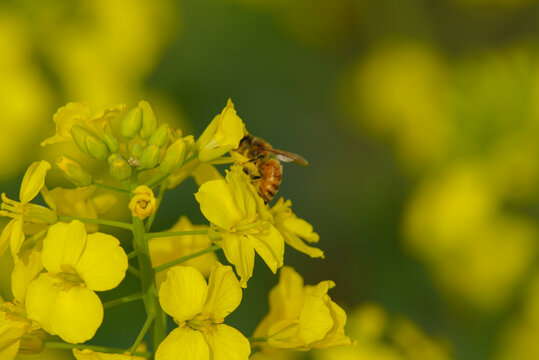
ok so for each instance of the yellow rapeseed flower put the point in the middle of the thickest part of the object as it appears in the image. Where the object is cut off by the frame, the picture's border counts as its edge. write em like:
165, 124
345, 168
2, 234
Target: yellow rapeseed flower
199, 309
295, 229
165, 249
63, 300
21, 212
222, 134
143, 202
233, 208
302, 317
78, 114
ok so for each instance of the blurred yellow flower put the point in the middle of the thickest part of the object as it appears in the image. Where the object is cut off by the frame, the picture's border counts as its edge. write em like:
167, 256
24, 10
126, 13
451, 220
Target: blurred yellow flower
143, 202
199, 308
63, 300
165, 249
302, 317
455, 224
402, 95
80, 202
381, 337
78, 114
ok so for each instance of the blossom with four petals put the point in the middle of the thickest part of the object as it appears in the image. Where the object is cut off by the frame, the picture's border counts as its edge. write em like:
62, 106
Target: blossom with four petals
63, 300
233, 208
199, 309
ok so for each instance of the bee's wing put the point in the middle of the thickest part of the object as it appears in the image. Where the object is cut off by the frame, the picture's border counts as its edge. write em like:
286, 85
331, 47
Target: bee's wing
286, 156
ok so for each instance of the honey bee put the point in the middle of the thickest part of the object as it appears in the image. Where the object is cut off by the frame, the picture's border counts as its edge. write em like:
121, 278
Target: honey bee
263, 164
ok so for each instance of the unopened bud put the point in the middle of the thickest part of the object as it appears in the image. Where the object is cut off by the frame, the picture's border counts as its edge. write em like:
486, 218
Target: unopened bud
136, 151
149, 157
96, 147
111, 142
73, 171
131, 123
79, 135
118, 167
149, 120
160, 136
173, 156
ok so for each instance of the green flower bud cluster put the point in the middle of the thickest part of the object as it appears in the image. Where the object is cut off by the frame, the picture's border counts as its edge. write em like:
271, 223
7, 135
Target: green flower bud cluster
143, 145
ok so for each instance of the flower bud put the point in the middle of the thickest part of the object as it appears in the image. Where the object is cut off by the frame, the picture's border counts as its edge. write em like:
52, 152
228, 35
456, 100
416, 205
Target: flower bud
143, 202
131, 123
160, 136
174, 156
119, 167
149, 120
73, 171
111, 142
79, 135
149, 157
136, 151
96, 147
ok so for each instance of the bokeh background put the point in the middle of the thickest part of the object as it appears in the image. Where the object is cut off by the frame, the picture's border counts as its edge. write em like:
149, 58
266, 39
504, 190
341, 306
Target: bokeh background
420, 120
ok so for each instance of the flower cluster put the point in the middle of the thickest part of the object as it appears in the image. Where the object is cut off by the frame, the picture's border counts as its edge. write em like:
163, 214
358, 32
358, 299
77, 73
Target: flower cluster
61, 258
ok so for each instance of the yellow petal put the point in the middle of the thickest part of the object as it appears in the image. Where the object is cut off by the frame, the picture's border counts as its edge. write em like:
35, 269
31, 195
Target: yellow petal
241, 254
227, 343
224, 292
336, 335
242, 194
65, 118
222, 135
183, 293
103, 262
299, 245
218, 204
16, 237
24, 271
183, 343
314, 321
270, 246
63, 245
72, 312
33, 181
77, 314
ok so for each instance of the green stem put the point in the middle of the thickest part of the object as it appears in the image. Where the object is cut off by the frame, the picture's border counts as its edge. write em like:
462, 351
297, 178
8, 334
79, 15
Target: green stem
175, 233
149, 288
108, 187
132, 254
187, 257
147, 323
162, 190
123, 300
133, 271
118, 224
104, 349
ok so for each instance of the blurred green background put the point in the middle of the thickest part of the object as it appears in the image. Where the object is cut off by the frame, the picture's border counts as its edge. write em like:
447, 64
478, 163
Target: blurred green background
420, 120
